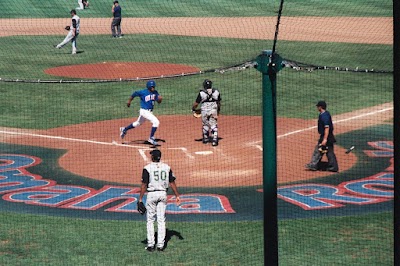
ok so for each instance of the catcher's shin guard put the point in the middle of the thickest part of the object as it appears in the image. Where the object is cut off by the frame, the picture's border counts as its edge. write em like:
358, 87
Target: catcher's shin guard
215, 136
205, 134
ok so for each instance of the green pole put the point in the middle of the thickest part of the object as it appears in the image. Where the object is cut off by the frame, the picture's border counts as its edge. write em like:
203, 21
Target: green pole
269, 64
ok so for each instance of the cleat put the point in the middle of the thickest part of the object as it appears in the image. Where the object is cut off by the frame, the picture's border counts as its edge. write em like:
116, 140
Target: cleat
332, 169
149, 248
152, 141
160, 249
215, 142
311, 167
122, 132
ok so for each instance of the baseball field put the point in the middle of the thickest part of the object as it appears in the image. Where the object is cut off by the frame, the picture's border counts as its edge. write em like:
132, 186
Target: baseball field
69, 185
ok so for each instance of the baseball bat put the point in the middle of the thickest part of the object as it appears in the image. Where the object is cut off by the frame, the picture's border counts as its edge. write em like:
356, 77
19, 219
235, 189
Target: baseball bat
349, 149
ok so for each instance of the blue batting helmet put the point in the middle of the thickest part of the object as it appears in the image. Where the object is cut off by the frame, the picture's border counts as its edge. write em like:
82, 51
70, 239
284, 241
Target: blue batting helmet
150, 83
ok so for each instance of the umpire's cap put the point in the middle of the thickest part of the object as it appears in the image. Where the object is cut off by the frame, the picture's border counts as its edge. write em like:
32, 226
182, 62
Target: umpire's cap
322, 104
156, 154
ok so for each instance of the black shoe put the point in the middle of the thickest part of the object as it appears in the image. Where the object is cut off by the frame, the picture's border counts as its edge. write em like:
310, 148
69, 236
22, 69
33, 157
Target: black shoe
150, 249
332, 169
311, 167
160, 249
205, 140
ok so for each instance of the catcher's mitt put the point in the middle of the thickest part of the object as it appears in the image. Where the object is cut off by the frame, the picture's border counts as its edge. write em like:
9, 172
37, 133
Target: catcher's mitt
196, 113
67, 27
323, 149
141, 208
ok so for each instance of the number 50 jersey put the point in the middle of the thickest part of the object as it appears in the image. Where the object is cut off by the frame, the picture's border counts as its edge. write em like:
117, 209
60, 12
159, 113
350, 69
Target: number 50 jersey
157, 176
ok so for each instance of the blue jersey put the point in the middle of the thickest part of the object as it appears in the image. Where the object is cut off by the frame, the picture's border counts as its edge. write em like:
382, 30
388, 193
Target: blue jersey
147, 98
117, 11
325, 120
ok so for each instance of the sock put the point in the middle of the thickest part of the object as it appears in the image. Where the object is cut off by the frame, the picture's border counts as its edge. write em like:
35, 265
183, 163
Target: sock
153, 131
129, 127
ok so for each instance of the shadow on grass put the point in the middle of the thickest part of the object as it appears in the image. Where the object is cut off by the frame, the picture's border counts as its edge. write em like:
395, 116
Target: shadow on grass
168, 236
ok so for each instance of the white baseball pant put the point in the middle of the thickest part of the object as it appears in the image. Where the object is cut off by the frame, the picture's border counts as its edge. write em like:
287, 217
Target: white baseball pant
156, 204
146, 114
69, 38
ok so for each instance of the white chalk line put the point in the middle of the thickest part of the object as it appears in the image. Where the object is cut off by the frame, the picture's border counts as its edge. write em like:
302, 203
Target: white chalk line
256, 143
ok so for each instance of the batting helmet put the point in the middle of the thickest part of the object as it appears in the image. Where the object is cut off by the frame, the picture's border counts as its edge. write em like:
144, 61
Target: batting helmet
150, 83
207, 84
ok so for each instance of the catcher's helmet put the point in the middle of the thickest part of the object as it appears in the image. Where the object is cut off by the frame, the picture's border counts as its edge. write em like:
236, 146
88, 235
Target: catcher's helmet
207, 84
150, 83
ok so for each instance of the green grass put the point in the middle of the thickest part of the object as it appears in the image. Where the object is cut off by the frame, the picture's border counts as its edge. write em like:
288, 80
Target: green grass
42, 240
205, 8
21, 56
52, 105
358, 240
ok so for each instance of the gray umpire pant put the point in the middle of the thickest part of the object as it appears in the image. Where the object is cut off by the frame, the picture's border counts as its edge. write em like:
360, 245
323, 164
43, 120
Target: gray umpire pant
116, 23
317, 156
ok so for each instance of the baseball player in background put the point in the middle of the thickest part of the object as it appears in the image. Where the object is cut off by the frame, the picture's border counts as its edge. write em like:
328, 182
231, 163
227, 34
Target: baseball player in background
147, 97
210, 100
157, 177
82, 4
73, 32
116, 22
325, 141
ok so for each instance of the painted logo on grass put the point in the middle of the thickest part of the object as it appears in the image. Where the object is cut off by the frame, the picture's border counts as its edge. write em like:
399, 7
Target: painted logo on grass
374, 189
19, 185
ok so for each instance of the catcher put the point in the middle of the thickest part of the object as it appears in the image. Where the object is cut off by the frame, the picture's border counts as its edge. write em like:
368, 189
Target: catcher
210, 100
157, 177
325, 142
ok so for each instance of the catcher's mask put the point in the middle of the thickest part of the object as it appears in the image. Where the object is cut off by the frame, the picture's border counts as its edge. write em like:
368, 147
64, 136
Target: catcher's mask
155, 155
150, 83
207, 84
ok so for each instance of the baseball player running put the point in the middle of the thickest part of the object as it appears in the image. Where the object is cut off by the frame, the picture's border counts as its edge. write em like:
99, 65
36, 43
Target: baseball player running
147, 98
157, 177
210, 100
72, 33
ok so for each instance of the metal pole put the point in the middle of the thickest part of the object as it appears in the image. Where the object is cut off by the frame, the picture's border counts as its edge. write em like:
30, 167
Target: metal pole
269, 64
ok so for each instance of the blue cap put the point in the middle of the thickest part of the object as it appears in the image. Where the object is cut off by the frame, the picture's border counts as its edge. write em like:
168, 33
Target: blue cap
151, 83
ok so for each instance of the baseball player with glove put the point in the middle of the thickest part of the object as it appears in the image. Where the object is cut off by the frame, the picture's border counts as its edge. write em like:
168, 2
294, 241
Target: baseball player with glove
210, 100
147, 97
325, 142
157, 177
73, 32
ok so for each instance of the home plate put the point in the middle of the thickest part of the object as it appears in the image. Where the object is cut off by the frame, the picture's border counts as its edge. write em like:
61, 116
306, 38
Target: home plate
203, 152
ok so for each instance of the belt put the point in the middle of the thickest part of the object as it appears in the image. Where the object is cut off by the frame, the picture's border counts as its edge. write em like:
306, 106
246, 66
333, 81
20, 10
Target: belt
157, 190
151, 110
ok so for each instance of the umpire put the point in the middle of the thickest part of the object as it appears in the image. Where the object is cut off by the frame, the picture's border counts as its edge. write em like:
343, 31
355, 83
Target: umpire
116, 22
325, 142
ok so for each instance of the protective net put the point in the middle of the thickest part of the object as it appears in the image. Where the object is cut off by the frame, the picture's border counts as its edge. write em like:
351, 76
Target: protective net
70, 184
